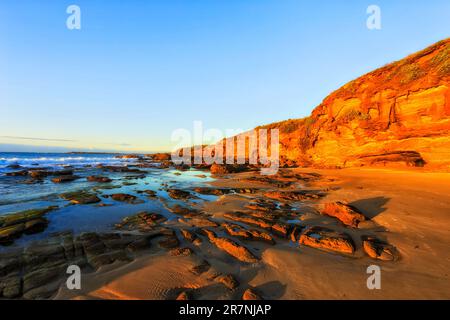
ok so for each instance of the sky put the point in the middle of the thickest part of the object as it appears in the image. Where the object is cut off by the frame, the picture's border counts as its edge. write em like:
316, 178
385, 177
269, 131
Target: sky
138, 70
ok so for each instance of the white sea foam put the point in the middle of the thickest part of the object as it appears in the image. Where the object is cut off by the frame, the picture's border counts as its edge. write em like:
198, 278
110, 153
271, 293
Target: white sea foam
40, 160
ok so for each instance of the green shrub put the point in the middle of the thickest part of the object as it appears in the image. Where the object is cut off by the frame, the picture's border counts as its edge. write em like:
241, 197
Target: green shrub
355, 115
410, 72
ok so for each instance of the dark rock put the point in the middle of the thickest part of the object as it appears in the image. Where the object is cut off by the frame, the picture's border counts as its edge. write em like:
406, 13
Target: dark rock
293, 195
10, 263
219, 169
159, 156
181, 252
98, 179
200, 268
123, 197
150, 193
17, 173
36, 225
96, 261
43, 276
141, 221
8, 234
191, 237
169, 242
11, 287
14, 166
212, 191
24, 216
65, 178
80, 197
179, 194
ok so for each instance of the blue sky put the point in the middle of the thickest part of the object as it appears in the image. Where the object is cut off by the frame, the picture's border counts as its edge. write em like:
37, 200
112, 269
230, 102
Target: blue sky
137, 70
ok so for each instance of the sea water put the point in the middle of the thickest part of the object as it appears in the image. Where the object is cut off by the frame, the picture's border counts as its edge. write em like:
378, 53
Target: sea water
17, 195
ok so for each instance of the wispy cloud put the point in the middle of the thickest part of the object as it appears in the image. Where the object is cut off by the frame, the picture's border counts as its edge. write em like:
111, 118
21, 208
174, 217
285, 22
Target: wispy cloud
122, 144
117, 144
36, 139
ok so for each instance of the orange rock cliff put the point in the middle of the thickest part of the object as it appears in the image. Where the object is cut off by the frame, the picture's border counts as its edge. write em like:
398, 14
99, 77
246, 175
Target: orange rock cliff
398, 115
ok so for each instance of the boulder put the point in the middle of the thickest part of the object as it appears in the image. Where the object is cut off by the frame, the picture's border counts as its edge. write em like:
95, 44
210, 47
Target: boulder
378, 249
150, 193
281, 229
123, 197
250, 294
179, 194
38, 174
327, 239
232, 248
348, 215
183, 296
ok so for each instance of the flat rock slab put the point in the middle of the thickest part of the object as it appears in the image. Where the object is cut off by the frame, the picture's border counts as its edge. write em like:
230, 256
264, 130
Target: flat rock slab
232, 248
65, 178
348, 215
327, 239
80, 197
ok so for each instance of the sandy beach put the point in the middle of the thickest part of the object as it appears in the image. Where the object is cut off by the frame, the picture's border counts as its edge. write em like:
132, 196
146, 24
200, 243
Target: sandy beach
408, 209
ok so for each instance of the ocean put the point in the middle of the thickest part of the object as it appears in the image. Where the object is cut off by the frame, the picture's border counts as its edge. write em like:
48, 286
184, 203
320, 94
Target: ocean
18, 193
55, 160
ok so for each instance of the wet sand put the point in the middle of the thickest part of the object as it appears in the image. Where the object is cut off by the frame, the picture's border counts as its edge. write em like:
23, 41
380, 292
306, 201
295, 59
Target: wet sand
408, 209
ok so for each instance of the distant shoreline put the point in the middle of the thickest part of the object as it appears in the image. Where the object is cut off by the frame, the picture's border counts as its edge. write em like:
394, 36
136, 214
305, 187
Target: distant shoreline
71, 152
90, 152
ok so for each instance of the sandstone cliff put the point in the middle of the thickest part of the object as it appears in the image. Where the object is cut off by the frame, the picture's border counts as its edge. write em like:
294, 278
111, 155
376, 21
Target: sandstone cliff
396, 115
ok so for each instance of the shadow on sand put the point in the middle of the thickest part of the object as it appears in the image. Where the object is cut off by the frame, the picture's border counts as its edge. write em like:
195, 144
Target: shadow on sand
371, 207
